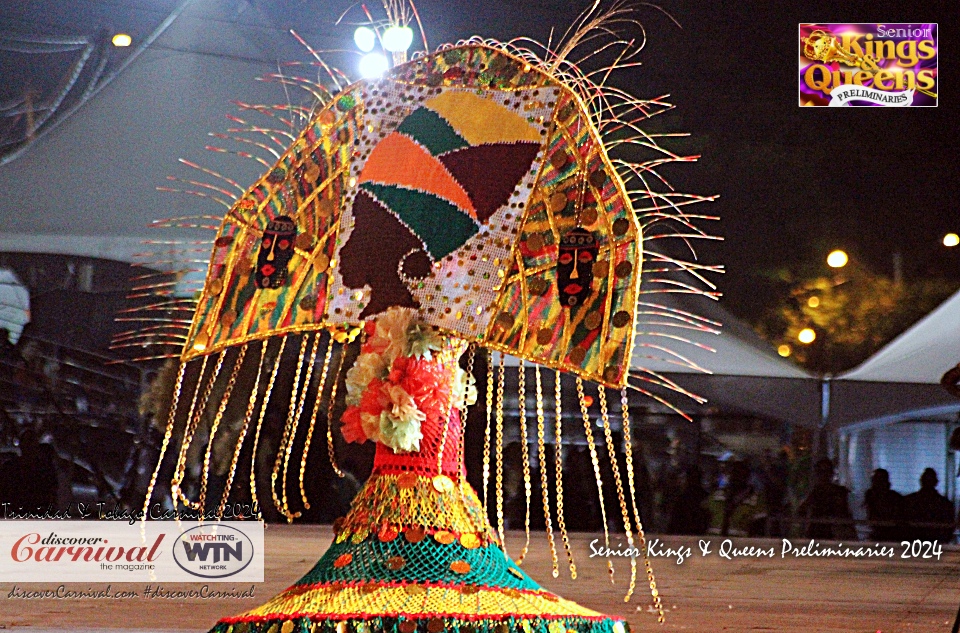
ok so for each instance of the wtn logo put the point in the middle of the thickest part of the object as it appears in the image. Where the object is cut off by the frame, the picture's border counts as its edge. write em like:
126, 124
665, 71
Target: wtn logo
221, 551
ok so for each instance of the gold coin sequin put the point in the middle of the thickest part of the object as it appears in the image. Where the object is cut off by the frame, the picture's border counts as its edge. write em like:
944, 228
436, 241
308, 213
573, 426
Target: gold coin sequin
588, 216
304, 241
215, 287
325, 207
396, 563
321, 263
598, 178
308, 303
415, 534
469, 590
559, 159
228, 318
415, 590
442, 483
435, 625
460, 567
558, 202
406, 481
623, 269
577, 354
535, 242
505, 320
600, 268
444, 537
611, 373
327, 117
537, 287
244, 266
287, 627
407, 626
621, 319
544, 336
621, 226
387, 534
593, 320
470, 540
343, 560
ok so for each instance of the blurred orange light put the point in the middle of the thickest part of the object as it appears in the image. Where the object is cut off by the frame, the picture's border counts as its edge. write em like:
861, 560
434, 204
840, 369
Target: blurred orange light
807, 336
121, 40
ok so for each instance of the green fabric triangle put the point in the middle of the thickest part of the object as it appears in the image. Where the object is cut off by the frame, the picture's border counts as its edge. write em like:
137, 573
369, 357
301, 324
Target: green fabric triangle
441, 226
432, 131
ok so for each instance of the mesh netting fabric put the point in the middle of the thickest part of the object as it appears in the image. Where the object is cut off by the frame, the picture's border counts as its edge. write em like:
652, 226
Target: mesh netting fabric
424, 624
424, 461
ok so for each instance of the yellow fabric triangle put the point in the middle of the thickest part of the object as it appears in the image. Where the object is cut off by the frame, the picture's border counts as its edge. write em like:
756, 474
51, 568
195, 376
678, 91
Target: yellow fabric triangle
480, 120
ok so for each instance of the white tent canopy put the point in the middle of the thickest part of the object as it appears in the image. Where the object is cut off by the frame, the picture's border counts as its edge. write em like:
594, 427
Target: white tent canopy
902, 380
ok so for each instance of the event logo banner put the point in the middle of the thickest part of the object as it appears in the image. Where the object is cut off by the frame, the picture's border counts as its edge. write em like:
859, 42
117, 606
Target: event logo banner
868, 65
114, 551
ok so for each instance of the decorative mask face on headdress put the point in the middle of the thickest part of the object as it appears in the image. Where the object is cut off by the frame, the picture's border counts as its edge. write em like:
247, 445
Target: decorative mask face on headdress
276, 249
576, 256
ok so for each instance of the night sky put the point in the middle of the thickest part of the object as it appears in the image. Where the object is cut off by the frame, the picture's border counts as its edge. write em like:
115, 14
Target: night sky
792, 182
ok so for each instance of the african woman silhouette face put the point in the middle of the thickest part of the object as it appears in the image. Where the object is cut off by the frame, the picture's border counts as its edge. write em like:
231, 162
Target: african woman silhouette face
276, 250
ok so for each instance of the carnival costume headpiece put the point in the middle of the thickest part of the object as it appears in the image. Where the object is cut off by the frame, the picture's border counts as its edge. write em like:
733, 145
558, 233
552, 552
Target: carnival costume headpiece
466, 199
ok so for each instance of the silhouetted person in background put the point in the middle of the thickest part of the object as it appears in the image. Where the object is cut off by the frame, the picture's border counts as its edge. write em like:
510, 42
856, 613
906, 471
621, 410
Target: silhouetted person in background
688, 515
30, 480
929, 506
826, 506
737, 509
885, 506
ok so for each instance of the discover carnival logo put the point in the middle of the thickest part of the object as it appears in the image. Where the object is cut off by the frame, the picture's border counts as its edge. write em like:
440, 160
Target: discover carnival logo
116, 551
213, 551
868, 65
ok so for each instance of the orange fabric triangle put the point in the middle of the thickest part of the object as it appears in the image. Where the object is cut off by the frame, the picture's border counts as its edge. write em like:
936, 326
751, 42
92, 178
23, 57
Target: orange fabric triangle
399, 160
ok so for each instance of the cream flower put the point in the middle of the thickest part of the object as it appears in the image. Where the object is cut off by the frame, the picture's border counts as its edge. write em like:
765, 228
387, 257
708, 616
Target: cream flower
392, 326
424, 340
371, 426
366, 368
400, 435
464, 391
402, 405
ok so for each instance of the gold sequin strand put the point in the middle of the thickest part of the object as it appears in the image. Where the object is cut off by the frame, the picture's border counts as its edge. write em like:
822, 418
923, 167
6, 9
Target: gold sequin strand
544, 487
263, 413
588, 431
618, 483
224, 401
175, 481
486, 433
525, 458
331, 402
167, 434
461, 468
499, 456
641, 537
279, 500
558, 462
247, 417
321, 384
191, 430
295, 423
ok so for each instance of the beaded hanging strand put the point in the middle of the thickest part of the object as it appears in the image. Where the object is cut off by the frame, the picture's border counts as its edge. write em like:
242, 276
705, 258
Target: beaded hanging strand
525, 458
248, 415
279, 500
486, 433
545, 491
558, 448
499, 417
641, 537
331, 402
167, 434
175, 481
321, 384
263, 413
618, 482
191, 430
596, 468
224, 401
295, 423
